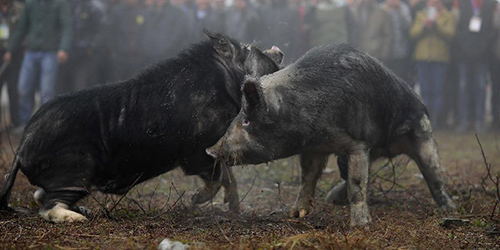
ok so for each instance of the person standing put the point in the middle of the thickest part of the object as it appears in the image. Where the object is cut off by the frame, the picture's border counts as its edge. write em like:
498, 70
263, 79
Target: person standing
373, 33
47, 25
399, 59
475, 34
89, 20
495, 77
240, 21
433, 31
171, 21
11, 12
127, 24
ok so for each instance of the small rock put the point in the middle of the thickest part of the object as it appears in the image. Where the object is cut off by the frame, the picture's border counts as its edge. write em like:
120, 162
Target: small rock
167, 244
447, 222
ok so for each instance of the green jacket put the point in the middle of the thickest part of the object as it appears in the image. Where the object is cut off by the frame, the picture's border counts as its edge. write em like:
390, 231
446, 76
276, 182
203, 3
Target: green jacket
433, 45
47, 24
329, 27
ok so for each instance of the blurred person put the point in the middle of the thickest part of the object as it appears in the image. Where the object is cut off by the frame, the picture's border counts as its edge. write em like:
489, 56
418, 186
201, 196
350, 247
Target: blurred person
124, 38
219, 5
280, 26
11, 13
433, 31
475, 33
495, 76
373, 29
206, 17
165, 32
188, 8
416, 6
47, 25
89, 20
332, 24
450, 99
241, 21
399, 60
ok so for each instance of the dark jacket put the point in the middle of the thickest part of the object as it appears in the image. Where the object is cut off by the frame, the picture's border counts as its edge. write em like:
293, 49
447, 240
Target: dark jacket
89, 20
240, 24
475, 46
47, 24
165, 33
280, 26
330, 26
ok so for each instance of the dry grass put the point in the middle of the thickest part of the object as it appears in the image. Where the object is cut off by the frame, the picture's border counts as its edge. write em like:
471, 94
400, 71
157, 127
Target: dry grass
404, 214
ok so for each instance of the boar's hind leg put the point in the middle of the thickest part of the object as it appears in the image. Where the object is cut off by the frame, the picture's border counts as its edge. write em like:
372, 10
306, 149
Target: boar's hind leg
338, 194
212, 181
312, 166
357, 182
56, 206
426, 156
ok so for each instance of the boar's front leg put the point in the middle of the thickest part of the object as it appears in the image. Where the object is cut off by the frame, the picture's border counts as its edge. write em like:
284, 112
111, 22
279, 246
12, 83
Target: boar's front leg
212, 181
357, 183
312, 166
230, 189
426, 156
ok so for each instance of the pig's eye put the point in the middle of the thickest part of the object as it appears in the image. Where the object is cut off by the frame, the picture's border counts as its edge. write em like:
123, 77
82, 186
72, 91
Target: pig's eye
245, 123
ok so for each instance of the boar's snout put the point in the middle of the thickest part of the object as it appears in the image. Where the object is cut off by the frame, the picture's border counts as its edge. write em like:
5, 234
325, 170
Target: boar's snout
212, 152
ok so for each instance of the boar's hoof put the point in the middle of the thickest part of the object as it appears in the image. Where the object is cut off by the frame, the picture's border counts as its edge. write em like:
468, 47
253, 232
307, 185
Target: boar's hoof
360, 216
300, 211
303, 213
449, 206
338, 194
60, 213
204, 194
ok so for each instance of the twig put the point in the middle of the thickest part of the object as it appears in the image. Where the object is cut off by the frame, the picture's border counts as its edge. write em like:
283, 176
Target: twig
173, 205
139, 205
495, 181
152, 195
248, 191
283, 208
126, 192
106, 211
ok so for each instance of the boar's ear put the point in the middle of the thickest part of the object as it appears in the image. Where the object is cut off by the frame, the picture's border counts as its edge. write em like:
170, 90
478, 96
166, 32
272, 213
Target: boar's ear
220, 43
252, 91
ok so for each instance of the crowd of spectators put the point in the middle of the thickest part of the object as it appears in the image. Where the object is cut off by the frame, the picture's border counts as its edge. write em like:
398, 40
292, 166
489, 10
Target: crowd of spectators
449, 47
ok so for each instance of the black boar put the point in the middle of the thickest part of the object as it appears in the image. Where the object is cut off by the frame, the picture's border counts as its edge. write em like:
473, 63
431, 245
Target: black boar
335, 99
109, 138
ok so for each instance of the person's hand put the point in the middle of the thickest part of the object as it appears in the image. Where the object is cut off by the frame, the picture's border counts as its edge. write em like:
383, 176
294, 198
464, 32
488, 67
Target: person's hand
62, 56
7, 57
429, 23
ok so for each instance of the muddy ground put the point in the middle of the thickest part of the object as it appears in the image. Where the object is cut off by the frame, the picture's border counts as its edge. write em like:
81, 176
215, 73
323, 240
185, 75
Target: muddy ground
404, 214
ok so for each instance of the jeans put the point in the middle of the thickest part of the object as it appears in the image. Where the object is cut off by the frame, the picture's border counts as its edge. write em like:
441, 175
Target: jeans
495, 91
34, 63
432, 76
10, 77
472, 90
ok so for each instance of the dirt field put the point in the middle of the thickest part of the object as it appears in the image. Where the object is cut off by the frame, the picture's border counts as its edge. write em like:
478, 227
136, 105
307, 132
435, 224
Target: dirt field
405, 216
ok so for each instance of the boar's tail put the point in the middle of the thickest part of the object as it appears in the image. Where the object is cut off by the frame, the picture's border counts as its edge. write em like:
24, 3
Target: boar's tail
11, 177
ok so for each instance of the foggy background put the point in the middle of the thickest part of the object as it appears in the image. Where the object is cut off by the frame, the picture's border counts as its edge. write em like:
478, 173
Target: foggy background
114, 39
